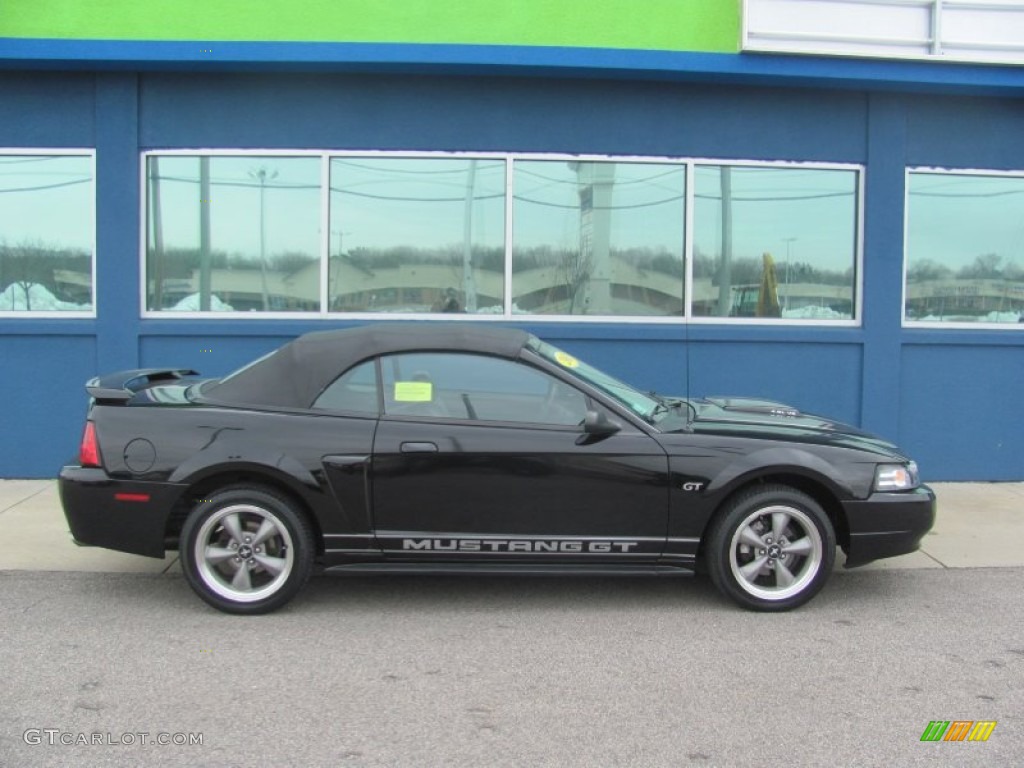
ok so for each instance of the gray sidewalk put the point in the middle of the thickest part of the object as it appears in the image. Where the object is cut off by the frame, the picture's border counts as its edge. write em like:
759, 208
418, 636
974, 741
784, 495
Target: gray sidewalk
979, 525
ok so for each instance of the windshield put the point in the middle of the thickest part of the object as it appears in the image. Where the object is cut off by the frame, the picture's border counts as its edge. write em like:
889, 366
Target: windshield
643, 405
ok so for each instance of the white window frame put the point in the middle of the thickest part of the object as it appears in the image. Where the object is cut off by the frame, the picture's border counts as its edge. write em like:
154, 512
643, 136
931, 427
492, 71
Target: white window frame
940, 325
66, 314
509, 158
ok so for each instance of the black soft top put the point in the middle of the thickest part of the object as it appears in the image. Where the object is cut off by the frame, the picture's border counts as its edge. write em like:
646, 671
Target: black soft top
294, 375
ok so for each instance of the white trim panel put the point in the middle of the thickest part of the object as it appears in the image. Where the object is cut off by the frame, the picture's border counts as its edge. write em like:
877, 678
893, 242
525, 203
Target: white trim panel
990, 31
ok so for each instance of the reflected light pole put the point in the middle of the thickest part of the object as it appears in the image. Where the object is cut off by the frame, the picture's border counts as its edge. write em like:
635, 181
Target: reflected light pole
262, 175
788, 241
334, 274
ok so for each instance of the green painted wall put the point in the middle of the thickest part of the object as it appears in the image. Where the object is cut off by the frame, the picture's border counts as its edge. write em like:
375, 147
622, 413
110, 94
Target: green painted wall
674, 25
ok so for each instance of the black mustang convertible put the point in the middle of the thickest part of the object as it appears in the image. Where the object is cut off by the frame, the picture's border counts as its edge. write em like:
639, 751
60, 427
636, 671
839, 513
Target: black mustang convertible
450, 448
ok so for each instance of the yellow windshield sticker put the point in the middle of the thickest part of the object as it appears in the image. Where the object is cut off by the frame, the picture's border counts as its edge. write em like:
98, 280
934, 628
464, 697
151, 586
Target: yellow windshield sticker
567, 360
413, 391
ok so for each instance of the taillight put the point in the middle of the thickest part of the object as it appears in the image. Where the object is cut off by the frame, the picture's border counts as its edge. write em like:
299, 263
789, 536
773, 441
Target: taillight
89, 452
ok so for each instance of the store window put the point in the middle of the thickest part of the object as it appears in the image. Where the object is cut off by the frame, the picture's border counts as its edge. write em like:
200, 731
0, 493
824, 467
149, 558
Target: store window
775, 242
965, 249
229, 233
598, 238
46, 233
553, 237
417, 235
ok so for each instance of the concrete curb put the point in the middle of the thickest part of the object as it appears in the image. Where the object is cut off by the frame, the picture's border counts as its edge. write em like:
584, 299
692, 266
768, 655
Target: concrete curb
979, 526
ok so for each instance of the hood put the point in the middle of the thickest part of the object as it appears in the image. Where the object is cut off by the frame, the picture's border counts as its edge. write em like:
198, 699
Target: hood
751, 417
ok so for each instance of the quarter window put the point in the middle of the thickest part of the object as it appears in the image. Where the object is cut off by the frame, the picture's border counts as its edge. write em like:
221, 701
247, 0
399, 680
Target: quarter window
354, 391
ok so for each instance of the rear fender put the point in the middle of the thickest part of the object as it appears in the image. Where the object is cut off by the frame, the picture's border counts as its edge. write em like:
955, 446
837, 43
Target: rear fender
279, 466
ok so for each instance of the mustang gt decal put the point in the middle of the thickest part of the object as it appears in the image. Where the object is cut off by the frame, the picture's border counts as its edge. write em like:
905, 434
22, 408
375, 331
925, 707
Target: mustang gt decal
516, 545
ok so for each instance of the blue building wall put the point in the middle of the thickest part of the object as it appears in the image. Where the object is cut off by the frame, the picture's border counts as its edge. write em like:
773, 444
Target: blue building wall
951, 398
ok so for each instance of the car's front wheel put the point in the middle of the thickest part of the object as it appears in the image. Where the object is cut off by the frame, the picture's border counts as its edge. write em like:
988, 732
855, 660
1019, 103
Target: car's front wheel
771, 549
246, 550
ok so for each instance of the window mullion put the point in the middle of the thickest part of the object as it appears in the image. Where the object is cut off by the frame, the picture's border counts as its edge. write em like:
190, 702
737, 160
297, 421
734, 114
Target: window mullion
509, 203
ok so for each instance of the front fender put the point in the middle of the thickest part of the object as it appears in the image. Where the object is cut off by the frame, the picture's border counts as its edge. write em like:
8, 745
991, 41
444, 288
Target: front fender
788, 460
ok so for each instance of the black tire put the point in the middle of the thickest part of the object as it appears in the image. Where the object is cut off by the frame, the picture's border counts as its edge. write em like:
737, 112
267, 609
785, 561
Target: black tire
784, 530
246, 550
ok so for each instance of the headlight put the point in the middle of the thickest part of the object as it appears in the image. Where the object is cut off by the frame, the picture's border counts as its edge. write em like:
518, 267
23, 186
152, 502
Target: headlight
896, 477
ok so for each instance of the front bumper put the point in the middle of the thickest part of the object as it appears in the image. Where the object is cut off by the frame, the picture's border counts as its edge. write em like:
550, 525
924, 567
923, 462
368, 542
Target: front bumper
888, 524
126, 515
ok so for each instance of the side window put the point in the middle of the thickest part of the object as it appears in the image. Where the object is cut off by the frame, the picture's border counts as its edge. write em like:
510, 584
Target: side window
355, 391
477, 388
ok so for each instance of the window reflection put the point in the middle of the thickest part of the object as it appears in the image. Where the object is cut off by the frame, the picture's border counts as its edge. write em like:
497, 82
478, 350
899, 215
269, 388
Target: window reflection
965, 248
775, 242
601, 238
598, 238
233, 233
46, 233
417, 235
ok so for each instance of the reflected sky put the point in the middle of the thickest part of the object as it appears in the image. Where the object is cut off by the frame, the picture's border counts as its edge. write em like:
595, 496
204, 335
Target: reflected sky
952, 218
291, 201
46, 201
811, 213
647, 203
416, 202
956, 218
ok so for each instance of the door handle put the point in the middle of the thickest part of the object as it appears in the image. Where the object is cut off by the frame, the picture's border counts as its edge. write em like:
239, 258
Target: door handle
419, 448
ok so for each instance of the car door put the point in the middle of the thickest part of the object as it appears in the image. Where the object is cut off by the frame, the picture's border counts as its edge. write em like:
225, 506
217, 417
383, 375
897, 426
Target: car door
478, 457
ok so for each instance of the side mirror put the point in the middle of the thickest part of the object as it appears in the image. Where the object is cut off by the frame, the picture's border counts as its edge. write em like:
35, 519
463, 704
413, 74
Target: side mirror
597, 424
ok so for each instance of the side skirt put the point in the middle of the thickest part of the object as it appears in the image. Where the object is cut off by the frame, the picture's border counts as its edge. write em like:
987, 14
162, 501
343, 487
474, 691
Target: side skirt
517, 569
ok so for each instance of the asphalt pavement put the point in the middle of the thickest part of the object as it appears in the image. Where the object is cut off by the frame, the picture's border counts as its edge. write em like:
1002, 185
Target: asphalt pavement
978, 525
100, 665
494, 672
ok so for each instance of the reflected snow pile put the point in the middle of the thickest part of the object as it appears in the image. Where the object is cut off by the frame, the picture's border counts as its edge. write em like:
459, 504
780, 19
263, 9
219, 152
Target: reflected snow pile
814, 313
1004, 317
191, 304
35, 297
497, 309
991, 317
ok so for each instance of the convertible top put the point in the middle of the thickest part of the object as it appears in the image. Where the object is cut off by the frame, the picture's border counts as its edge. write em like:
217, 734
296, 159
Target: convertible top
295, 374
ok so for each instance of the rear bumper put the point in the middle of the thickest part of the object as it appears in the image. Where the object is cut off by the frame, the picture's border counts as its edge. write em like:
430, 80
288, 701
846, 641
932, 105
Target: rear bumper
888, 524
126, 515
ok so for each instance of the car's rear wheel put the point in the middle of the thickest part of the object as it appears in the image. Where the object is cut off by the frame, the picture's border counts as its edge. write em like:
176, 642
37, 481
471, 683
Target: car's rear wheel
771, 549
246, 550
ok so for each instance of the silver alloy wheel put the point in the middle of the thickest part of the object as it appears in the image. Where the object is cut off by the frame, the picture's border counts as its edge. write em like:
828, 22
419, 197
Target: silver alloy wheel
775, 552
244, 553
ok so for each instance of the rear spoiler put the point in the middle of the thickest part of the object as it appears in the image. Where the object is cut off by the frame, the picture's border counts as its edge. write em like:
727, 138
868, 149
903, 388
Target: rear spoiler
119, 388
